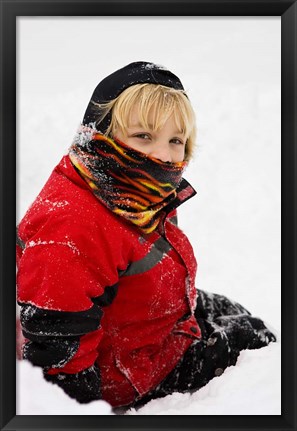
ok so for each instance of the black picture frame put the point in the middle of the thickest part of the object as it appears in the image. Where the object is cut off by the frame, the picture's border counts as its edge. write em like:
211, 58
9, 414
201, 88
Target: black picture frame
10, 10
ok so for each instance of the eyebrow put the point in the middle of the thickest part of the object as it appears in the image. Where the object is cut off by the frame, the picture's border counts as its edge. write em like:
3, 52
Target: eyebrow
180, 132
140, 125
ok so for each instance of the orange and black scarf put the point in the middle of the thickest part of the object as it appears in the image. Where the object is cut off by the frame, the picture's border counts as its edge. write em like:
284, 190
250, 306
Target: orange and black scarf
130, 183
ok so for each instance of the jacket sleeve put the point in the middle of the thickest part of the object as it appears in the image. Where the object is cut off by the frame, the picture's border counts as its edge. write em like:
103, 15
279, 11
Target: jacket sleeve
63, 284
64, 344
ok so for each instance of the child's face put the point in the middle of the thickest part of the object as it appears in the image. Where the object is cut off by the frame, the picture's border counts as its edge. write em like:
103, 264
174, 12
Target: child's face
167, 144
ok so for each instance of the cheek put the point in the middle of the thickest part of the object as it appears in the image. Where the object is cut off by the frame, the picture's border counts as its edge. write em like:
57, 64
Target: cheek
133, 143
120, 135
179, 154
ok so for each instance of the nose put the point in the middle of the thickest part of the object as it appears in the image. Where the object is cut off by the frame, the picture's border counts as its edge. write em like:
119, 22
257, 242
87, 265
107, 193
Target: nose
161, 152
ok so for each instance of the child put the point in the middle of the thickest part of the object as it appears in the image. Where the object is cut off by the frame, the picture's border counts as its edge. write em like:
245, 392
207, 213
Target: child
106, 279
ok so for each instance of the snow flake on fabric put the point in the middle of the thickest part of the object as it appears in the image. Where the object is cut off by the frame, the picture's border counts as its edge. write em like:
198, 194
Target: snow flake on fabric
59, 204
152, 66
124, 370
191, 298
69, 244
84, 134
52, 205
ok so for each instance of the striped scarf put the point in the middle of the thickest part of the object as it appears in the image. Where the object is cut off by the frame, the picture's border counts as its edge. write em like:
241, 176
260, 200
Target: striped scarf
130, 183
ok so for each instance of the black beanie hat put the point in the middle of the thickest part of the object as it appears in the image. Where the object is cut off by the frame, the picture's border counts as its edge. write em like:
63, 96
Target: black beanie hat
112, 86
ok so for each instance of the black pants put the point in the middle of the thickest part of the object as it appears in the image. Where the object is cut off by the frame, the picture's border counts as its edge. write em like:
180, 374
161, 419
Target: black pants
227, 328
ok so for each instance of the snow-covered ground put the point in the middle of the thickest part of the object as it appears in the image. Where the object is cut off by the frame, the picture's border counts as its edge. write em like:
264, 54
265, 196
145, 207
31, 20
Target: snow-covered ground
252, 387
230, 68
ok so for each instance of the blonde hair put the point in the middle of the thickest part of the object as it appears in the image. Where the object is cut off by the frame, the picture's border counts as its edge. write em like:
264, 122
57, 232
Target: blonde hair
158, 100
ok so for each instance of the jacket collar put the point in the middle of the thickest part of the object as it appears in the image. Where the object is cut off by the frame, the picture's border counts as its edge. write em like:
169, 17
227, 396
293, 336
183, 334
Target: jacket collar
184, 192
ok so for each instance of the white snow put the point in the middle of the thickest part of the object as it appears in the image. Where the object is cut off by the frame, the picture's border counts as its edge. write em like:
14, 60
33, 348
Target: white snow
252, 387
35, 396
230, 67
69, 244
243, 389
155, 66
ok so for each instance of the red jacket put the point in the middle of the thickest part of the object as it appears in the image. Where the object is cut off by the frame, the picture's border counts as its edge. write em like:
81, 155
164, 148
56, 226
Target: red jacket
121, 299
